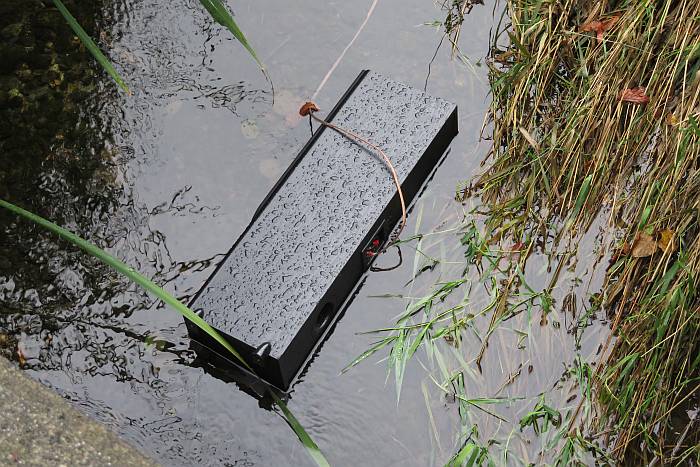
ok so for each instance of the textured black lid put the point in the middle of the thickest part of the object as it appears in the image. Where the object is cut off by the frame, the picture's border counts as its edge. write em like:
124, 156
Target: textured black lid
282, 266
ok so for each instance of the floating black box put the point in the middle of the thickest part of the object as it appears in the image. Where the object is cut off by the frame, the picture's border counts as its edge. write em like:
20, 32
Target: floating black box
287, 276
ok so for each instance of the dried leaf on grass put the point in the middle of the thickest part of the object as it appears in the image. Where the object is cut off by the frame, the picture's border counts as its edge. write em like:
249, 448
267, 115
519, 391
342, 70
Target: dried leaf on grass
599, 27
666, 241
517, 247
644, 245
620, 251
504, 57
634, 95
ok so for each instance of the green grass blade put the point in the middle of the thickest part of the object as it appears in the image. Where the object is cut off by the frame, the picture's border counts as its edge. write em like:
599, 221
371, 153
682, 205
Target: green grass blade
150, 286
580, 201
466, 457
91, 46
376, 347
221, 15
582, 195
304, 437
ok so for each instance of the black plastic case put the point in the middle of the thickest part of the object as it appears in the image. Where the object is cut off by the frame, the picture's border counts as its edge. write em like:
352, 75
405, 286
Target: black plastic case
287, 276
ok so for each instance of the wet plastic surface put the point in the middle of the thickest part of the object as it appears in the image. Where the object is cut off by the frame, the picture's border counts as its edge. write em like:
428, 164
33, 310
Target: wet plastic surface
288, 275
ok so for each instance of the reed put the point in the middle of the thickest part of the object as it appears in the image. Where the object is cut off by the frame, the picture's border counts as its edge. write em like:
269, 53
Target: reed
91, 46
595, 110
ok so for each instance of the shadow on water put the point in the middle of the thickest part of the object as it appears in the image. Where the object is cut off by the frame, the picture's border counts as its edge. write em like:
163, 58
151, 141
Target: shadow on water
168, 178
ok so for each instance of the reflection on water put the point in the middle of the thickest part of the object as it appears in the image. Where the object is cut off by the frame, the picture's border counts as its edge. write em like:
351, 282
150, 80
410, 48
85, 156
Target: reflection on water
168, 178
56, 160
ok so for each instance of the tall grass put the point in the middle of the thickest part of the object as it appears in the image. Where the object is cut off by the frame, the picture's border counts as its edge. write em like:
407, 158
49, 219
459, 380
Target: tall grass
181, 308
563, 126
595, 117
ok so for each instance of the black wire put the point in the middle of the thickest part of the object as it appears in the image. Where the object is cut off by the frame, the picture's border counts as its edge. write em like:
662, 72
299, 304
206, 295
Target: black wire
374, 269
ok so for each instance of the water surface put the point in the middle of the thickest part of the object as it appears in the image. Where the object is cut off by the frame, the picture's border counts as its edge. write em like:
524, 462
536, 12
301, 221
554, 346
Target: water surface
167, 178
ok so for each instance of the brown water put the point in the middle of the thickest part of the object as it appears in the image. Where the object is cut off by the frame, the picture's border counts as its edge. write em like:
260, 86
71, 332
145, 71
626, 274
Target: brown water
166, 179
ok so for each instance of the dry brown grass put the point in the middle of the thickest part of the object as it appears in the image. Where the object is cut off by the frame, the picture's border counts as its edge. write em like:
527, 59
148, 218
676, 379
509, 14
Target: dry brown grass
568, 148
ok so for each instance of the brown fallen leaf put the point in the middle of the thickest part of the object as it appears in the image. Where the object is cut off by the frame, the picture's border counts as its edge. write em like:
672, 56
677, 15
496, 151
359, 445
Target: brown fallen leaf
626, 249
666, 241
504, 57
634, 95
644, 245
610, 22
517, 247
622, 251
600, 27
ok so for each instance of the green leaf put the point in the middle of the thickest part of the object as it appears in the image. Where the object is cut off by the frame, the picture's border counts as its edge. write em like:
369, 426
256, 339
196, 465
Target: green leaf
376, 347
221, 15
91, 46
645, 216
466, 457
582, 195
150, 286
580, 201
304, 437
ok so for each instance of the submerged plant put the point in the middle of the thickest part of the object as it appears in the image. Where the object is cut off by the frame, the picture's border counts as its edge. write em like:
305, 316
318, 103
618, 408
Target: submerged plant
181, 308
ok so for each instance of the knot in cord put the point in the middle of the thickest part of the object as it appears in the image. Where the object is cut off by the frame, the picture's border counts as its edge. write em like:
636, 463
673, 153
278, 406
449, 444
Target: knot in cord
308, 108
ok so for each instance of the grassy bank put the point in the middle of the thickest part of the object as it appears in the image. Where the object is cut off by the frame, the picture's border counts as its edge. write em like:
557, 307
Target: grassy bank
596, 111
595, 128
